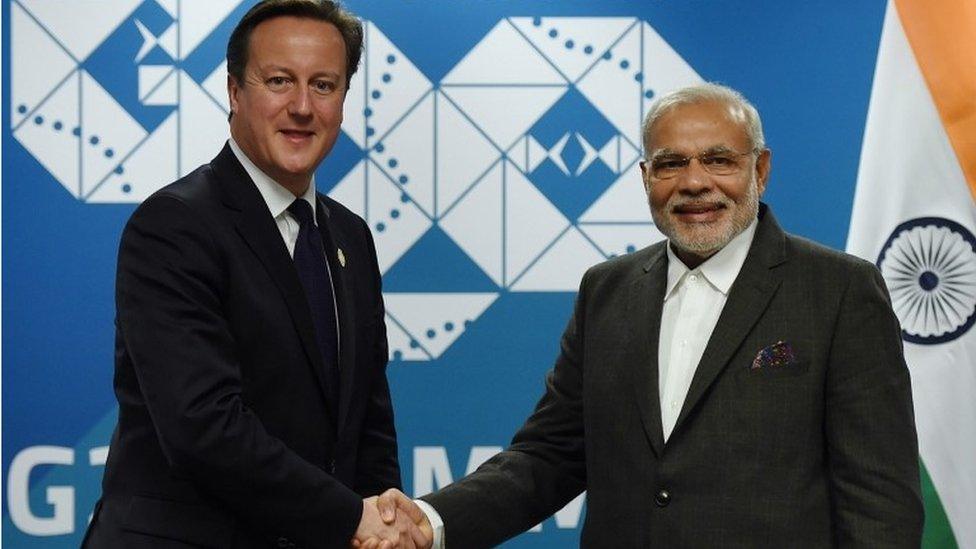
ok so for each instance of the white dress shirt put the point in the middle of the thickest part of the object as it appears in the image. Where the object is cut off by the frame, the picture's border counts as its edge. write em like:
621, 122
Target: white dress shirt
693, 301
436, 522
276, 197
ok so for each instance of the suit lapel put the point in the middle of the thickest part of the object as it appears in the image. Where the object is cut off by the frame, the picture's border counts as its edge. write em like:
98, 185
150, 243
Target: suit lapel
644, 317
258, 229
334, 240
749, 296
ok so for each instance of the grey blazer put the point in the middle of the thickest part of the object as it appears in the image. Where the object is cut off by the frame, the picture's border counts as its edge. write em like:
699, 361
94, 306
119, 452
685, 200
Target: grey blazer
797, 431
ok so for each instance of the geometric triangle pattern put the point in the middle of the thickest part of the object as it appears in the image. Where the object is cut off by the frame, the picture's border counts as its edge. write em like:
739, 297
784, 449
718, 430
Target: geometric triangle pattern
434, 333
202, 125
532, 223
521, 67
518, 175
522, 105
476, 221
198, 19
623, 202
108, 132
463, 154
571, 254
572, 44
28, 84
435, 261
52, 133
77, 121
80, 26
156, 85
613, 239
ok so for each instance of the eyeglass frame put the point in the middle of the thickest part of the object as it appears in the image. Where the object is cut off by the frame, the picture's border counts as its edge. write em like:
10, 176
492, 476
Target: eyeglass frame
686, 161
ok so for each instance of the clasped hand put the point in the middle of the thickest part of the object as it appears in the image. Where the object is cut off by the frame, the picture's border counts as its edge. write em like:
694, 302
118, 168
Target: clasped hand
392, 521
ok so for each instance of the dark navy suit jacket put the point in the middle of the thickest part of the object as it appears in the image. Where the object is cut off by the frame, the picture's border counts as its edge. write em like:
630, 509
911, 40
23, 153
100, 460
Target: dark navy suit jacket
225, 438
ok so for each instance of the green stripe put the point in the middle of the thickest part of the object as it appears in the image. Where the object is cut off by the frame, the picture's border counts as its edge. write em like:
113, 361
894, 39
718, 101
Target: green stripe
937, 533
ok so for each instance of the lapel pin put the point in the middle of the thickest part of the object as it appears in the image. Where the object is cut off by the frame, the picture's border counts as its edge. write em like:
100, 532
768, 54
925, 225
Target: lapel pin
342, 257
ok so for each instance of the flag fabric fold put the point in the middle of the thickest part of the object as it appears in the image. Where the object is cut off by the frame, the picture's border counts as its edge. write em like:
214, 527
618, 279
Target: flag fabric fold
914, 215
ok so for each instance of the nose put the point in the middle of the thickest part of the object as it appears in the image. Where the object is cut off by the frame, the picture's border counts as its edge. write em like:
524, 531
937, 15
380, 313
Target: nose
301, 102
694, 180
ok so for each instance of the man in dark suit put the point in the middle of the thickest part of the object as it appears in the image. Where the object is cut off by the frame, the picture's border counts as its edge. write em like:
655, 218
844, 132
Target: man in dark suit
733, 386
254, 409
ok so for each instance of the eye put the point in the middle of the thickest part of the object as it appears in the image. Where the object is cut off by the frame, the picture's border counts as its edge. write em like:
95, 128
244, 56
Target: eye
276, 83
323, 87
670, 163
718, 160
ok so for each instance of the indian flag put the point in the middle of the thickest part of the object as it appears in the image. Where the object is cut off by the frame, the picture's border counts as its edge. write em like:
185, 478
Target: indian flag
915, 217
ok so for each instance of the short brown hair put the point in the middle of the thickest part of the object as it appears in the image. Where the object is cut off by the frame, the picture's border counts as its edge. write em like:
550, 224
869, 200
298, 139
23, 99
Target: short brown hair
322, 10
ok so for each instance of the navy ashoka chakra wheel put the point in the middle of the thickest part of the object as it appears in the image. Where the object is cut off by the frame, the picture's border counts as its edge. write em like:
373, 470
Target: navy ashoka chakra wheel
929, 264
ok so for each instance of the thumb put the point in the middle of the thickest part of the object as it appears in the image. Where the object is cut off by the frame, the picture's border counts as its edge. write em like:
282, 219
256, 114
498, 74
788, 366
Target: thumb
386, 504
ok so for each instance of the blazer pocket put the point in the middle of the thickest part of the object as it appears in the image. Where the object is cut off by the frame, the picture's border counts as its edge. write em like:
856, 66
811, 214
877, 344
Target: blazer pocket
792, 369
191, 523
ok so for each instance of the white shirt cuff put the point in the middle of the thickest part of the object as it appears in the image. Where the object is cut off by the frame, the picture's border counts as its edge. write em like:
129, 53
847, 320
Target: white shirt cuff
436, 522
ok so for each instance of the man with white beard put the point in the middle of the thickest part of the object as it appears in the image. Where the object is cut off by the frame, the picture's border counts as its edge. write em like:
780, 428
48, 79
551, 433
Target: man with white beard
733, 386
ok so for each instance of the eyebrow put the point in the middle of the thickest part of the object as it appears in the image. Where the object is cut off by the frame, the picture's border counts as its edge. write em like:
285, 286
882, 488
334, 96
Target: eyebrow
286, 70
719, 149
658, 153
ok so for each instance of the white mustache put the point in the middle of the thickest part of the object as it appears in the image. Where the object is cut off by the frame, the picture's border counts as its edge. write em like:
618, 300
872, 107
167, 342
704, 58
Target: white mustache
699, 203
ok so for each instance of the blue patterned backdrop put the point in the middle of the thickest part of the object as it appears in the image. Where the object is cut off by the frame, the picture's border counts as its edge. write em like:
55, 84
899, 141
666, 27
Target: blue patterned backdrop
490, 144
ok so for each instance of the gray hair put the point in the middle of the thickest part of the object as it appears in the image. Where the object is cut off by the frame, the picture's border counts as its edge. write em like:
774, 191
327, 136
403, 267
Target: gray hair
706, 93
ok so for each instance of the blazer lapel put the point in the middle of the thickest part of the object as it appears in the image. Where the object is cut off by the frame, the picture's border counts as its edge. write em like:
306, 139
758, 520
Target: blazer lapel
334, 239
749, 296
644, 316
258, 229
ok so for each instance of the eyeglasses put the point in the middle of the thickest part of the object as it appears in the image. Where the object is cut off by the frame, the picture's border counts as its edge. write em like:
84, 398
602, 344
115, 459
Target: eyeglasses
667, 166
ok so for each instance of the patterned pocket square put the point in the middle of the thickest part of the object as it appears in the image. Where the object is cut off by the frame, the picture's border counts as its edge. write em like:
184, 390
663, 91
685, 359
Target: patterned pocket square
777, 355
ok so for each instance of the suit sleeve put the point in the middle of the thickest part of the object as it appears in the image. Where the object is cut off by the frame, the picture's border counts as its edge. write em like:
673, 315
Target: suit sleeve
378, 468
169, 285
872, 449
540, 472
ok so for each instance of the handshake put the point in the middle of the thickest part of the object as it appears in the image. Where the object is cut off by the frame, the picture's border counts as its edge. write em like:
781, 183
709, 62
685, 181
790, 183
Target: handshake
392, 521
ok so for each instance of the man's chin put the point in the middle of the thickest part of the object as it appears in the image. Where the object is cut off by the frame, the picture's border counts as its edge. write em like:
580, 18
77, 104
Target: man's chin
699, 244
297, 167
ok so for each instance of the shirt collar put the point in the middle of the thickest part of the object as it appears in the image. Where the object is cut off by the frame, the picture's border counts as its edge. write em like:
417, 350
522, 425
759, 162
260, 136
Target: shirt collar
275, 196
721, 269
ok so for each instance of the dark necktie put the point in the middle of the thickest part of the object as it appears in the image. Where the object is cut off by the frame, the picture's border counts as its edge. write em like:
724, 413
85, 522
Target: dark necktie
313, 271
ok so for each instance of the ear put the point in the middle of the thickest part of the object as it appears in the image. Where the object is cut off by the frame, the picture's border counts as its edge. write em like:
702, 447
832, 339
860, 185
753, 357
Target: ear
763, 165
232, 90
646, 176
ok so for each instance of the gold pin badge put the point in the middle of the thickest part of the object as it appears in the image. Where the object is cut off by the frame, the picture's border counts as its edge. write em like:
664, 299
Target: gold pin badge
342, 257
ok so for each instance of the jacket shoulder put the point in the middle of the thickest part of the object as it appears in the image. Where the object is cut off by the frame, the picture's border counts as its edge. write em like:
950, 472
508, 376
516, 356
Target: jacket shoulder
618, 270
190, 203
197, 187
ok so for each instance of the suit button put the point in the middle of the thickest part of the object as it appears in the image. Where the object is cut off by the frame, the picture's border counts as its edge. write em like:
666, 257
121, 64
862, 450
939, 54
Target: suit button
332, 467
662, 498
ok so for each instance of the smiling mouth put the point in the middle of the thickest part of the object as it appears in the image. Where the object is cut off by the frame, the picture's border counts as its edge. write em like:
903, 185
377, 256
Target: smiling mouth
297, 135
698, 212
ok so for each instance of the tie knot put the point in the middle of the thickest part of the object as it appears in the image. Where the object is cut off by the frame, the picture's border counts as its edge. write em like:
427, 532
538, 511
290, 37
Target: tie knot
302, 210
